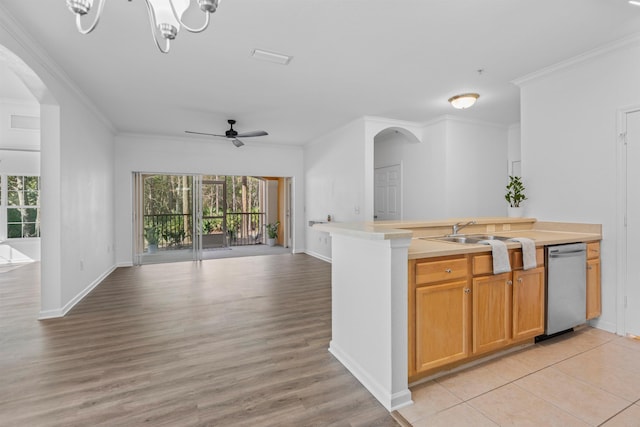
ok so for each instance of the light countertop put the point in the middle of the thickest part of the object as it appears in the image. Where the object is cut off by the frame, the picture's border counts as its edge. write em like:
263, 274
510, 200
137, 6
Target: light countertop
427, 246
430, 247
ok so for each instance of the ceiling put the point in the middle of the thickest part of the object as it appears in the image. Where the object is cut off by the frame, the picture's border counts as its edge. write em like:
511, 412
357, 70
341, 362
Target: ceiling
400, 59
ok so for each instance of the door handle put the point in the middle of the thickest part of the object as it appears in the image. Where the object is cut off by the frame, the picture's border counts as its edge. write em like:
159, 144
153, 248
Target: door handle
556, 254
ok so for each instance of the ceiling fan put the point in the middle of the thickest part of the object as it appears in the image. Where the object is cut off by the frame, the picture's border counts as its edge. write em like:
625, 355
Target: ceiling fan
233, 135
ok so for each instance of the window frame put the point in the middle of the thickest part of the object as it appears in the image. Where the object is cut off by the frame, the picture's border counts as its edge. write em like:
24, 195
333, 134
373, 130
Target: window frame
5, 207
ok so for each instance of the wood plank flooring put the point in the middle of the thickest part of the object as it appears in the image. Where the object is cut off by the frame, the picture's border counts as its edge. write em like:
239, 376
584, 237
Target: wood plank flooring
229, 342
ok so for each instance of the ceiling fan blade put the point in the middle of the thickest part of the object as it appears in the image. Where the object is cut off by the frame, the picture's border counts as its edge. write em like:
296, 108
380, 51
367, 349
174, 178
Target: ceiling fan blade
202, 133
237, 142
252, 133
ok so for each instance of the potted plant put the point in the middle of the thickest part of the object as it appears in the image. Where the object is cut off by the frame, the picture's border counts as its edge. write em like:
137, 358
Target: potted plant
151, 234
272, 233
515, 195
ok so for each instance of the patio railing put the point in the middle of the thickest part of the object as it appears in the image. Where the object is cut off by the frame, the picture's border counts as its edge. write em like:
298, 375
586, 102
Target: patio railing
174, 230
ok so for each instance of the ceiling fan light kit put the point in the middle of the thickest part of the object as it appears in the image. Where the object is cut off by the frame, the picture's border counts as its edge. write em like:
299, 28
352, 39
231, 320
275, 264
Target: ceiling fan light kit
464, 100
165, 17
232, 134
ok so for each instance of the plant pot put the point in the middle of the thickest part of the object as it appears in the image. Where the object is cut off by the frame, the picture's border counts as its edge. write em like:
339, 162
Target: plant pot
516, 212
152, 248
271, 241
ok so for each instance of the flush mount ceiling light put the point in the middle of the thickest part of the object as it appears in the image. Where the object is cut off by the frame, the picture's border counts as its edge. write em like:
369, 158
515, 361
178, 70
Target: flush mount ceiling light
463, 101
634, 2
165, 16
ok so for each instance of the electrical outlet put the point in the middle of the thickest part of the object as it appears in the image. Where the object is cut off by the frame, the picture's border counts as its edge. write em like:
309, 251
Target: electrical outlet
506, 227
356, 209
491, 228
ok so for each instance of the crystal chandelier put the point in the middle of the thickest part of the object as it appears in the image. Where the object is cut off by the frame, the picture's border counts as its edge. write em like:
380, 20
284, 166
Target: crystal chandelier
165, 17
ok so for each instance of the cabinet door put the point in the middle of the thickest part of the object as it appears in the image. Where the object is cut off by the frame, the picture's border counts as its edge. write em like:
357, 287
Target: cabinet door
442, 324
491, 312
528, 303
594, 301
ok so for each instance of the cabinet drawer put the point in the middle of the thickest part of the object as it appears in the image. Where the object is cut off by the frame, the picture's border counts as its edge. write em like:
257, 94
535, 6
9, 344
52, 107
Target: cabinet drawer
483, 264
516, 258
437, 271
593, 250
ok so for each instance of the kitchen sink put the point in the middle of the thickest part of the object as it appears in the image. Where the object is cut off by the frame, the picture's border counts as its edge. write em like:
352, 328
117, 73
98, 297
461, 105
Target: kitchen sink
488, 237
471, 238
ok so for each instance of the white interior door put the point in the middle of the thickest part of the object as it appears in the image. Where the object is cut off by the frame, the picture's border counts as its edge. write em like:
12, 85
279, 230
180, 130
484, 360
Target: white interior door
388, 190
632, 282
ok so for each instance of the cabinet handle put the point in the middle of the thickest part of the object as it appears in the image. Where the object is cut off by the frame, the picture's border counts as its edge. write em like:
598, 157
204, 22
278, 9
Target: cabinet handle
590, 267
467, 290
509, 282
520, 280
448, 270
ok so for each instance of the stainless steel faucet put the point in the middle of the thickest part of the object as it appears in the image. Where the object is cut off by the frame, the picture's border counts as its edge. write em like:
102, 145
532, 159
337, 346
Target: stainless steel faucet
459, 226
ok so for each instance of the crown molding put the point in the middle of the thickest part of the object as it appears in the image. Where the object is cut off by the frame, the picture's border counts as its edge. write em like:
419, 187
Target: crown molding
39, 56
583, 57
450, 118
392, 122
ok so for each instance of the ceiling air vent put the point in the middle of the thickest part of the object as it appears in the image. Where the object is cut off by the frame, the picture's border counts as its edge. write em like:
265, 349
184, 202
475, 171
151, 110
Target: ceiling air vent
25, 122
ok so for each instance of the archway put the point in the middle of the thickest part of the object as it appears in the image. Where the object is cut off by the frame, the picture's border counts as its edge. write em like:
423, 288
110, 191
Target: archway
384, 141
49, 171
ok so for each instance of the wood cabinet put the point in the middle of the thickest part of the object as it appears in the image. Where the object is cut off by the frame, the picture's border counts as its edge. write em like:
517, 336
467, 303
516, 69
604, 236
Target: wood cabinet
458, 309
442, 332
439, 312
594, 298
491, 312
507, 308
528, 303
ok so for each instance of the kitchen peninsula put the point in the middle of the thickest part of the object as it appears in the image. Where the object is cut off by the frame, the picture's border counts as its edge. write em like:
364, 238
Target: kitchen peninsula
374, 285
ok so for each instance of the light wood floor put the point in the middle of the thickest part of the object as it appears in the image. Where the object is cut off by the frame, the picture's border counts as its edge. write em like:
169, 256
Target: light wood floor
230, 342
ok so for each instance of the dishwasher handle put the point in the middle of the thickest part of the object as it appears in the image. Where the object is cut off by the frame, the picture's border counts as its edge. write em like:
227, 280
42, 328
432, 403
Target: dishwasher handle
560, 254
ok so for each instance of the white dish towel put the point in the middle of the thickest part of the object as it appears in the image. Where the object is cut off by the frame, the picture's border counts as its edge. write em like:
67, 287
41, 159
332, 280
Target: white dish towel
500, 256
528, 252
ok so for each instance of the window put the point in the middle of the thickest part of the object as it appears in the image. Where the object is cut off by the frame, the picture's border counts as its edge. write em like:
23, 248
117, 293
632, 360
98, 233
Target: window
23, 207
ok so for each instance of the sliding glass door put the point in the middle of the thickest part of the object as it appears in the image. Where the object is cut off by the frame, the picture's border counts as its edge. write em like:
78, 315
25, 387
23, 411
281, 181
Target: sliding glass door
188, 217
166, 218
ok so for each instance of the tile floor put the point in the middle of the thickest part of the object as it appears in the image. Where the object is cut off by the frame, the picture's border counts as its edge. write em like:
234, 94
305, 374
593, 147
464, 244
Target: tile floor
585, 378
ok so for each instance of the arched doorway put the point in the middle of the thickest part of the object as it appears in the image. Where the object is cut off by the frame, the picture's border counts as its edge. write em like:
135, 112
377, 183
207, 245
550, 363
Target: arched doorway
388, 171
32, 140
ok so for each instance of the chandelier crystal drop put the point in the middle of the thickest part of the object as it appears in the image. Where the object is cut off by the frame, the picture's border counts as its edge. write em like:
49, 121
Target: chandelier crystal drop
165, 17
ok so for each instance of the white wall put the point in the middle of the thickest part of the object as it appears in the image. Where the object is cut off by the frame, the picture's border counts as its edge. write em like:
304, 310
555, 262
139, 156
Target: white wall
569, 145
335, 182
513, 147
476, 169
139, 153
18, 138
77, 179
459, 169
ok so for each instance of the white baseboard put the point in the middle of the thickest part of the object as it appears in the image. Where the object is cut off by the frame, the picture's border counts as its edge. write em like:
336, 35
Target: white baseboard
605, 326
124, 264
61, 312
391, 401
319, 256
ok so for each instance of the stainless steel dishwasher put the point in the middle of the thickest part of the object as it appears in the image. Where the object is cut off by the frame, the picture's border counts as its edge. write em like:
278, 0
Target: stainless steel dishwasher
566, 287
